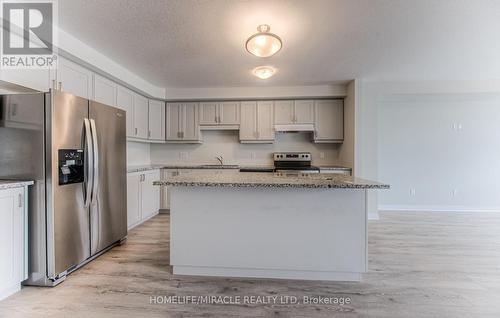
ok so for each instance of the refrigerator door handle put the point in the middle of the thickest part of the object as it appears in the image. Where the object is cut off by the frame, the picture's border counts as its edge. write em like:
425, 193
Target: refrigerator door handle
96, 161
89, 167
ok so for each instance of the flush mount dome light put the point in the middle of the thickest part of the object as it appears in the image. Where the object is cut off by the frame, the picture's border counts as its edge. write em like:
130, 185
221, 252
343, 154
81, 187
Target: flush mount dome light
264, 43
264, 72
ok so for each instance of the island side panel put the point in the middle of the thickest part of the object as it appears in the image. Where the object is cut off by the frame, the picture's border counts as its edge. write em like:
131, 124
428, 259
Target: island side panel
269, 232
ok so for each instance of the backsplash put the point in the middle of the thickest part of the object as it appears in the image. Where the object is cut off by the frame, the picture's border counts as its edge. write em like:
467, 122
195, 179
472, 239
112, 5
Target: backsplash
227, 145
138, 153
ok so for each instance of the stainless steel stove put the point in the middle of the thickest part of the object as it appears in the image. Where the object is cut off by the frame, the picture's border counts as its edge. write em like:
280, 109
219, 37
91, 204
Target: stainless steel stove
298, 162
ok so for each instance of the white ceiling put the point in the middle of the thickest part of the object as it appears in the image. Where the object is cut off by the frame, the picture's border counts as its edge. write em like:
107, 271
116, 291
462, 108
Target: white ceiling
200, 43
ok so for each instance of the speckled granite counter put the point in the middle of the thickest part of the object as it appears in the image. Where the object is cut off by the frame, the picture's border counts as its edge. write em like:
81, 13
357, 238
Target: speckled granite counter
281, 180
132, 169
140, 168
9, 184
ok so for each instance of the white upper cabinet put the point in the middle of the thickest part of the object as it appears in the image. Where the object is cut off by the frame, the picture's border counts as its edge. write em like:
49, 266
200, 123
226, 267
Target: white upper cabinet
219, 114
209, 113
125, 101
174, 111
248, 125
265, 121
183, 122
287, 112
229, 113
104, 90
257, 122
190, 129
74, 79
156, 120
39, 80
283, 112
304, 112
329, 121
141, 117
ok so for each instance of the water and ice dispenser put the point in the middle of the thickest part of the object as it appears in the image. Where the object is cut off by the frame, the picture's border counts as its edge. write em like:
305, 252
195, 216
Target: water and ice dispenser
71, 166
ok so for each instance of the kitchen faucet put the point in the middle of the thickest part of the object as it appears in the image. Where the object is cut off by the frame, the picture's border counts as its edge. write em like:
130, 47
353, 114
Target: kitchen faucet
220, 159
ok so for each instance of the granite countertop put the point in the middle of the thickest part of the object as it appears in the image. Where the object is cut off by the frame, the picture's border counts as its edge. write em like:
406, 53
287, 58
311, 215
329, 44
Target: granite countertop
9, 184
131, 169
139, 168
280, 180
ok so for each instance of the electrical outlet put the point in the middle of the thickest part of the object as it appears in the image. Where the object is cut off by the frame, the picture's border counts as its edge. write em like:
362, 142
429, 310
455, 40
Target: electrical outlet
322, 155
412, 192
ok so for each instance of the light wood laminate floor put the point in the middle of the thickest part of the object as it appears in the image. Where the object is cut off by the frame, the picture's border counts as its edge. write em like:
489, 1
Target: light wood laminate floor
421, 265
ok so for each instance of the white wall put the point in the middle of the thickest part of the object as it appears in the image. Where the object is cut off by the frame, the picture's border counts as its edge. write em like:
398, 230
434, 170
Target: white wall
226, 144
444, 146
450, 100
138, 153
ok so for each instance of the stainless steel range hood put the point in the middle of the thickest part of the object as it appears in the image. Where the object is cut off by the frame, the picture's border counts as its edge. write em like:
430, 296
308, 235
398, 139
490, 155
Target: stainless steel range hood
294, 128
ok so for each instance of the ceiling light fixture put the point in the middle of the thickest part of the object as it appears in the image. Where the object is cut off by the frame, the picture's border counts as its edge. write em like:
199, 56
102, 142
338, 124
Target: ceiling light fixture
264, 43
264, 72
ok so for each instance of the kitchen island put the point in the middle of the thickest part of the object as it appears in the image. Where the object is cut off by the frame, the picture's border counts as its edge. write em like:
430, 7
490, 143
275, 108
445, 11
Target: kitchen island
269, 225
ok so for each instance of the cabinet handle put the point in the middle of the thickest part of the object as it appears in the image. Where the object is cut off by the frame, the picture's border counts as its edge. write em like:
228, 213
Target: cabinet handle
149, 134
136, 131
60, 86
215, 118
20, 202
54, 84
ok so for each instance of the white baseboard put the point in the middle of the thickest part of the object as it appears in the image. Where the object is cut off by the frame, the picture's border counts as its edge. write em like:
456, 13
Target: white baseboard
436, 208
373, 215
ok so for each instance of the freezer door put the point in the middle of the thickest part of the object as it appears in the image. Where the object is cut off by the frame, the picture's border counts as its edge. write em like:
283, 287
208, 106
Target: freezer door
68, 226
108, 209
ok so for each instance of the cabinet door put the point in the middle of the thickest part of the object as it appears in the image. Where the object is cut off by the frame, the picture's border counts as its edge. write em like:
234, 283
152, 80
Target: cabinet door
133, 199
141, 117
283, 112
248, 125
229, 113
190, 128
329, 123
304, 111
265, 120
156, 120
104, 90
125, 101
11, 238
35, 79
74, 79
150, 194
208, 113
174, 112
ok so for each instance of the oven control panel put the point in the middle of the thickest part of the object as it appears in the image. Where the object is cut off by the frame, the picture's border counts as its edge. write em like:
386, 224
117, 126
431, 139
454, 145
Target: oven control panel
292, 156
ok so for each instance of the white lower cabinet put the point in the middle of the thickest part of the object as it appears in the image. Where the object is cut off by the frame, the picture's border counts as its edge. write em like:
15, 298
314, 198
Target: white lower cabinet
13, 240
143, 198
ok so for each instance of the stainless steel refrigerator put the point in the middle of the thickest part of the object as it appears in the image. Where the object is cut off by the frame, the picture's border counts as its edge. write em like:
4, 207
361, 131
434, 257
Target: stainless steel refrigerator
75, 151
